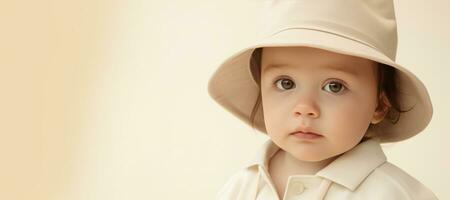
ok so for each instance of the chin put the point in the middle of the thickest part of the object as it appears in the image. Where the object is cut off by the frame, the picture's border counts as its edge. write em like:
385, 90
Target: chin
310, 158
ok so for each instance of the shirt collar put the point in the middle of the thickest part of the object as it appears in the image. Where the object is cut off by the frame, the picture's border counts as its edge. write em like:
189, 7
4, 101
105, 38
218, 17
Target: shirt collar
364, 157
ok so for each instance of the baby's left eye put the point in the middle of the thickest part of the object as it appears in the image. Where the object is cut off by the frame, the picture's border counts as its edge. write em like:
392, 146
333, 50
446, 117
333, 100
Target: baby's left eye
334, 87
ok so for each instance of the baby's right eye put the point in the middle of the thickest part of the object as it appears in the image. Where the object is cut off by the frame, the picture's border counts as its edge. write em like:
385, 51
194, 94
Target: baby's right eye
284, 83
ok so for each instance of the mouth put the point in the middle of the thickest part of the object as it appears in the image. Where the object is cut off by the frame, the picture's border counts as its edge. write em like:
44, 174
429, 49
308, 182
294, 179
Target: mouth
306, 135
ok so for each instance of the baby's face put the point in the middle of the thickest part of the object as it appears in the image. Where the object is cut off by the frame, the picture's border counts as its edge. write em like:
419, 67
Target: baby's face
331, 94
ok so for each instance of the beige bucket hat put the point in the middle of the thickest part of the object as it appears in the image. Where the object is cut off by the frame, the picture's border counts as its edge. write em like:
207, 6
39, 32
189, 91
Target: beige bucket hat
363, 28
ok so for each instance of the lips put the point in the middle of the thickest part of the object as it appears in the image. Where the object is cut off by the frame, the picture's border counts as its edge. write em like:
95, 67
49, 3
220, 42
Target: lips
306, 135
305, 131
312, 133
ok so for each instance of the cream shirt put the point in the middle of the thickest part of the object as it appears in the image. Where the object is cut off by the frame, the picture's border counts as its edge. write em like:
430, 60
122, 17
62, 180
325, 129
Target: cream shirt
361, 173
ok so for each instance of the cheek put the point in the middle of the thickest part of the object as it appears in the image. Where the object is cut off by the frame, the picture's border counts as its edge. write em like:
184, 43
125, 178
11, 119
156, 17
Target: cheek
271, 116
351, 116
274, 116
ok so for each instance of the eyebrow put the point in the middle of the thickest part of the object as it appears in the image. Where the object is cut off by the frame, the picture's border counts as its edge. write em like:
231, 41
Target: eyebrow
273, 66
338, 68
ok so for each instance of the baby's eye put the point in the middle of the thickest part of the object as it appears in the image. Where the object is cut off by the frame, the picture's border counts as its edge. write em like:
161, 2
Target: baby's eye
284, 83
334, 87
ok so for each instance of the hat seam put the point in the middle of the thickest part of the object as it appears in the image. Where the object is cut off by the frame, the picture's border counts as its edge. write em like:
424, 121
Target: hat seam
325, 31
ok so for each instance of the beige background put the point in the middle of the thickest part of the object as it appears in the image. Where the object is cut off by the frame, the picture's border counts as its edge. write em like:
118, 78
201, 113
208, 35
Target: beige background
107, 100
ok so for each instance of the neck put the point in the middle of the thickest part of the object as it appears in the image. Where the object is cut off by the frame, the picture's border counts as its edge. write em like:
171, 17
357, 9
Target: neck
298, 167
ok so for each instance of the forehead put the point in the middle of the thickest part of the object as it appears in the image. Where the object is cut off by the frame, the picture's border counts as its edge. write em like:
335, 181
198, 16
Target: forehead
277, 58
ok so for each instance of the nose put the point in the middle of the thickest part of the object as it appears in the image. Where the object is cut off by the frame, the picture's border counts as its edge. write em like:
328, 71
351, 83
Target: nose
306, 108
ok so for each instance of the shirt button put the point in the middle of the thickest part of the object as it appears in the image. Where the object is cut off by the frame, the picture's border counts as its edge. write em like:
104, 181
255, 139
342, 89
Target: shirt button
298, 187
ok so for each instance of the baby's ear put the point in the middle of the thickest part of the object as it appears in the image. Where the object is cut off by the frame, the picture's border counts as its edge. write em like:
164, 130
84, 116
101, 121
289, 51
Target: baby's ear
382, 108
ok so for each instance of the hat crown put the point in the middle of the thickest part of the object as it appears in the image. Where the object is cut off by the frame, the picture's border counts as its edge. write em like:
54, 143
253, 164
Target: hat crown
371, 22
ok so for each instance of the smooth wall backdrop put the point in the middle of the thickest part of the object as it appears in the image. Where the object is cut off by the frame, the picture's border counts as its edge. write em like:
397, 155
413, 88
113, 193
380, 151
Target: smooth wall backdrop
107, 100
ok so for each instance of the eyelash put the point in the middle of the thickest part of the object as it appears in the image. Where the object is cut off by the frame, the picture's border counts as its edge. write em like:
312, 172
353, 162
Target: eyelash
344, 87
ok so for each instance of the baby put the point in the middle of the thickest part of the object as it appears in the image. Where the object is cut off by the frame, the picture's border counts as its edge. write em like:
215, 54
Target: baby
324, 86
324, 100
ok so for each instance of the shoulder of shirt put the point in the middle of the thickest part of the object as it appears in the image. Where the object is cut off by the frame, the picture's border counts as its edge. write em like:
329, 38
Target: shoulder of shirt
236, 183
391, 182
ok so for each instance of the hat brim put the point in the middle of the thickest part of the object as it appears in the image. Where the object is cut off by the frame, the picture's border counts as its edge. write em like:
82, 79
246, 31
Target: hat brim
232, 85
